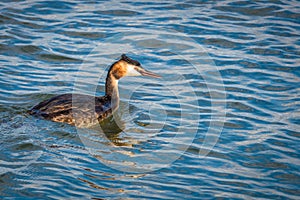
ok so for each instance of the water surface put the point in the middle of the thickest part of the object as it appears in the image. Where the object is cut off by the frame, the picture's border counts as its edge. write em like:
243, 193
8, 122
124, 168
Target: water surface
223, 121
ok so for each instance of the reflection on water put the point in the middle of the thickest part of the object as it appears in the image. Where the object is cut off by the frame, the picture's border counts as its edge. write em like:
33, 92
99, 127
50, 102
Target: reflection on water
111, 128
240, 89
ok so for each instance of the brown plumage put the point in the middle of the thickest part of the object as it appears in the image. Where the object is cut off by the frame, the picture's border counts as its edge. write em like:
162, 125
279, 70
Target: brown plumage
85, 110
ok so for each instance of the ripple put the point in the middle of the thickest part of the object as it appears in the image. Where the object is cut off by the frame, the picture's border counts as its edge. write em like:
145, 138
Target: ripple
253, 45
58, 58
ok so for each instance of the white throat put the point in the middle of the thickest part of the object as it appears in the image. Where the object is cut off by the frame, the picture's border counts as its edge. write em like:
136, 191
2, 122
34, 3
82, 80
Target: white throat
131, 71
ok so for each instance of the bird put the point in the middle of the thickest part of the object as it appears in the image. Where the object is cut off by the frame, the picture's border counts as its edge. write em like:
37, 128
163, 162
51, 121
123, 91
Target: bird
85, 110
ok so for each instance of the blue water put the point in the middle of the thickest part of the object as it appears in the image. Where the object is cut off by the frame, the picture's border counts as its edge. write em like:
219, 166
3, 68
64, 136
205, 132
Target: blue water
223, 122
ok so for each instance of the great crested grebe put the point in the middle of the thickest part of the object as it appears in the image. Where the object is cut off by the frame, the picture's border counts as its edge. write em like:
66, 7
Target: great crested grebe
84, 110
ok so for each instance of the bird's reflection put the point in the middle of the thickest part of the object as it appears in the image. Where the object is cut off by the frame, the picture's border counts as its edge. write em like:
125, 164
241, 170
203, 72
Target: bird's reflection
116, 129
112, 127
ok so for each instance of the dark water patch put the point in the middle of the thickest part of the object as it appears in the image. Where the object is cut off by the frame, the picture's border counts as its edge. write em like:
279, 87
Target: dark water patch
220, 43
30, 49
88, 35
249, 10
120, 13
227, 18
57, 58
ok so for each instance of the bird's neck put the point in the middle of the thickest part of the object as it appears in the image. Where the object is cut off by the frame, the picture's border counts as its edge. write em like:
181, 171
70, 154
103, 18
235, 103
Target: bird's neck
111, 90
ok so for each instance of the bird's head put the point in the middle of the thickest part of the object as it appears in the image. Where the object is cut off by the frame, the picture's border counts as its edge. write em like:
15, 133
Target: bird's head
129, 67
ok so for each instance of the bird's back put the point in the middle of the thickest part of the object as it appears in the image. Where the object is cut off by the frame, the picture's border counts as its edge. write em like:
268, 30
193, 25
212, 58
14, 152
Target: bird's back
75, 109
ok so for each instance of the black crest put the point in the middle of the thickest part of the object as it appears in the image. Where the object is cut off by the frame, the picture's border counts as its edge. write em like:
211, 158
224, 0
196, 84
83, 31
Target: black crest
130, 61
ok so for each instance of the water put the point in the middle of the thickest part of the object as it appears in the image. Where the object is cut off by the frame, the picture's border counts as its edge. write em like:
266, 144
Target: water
223, 121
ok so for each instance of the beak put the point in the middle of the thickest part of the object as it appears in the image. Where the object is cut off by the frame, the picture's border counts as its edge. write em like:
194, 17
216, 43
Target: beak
148, 73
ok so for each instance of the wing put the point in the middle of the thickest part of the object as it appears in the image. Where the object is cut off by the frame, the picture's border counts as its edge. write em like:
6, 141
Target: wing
68, 107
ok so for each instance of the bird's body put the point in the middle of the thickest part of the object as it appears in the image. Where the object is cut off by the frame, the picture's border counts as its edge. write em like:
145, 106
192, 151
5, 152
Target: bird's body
85, 110
75, 109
